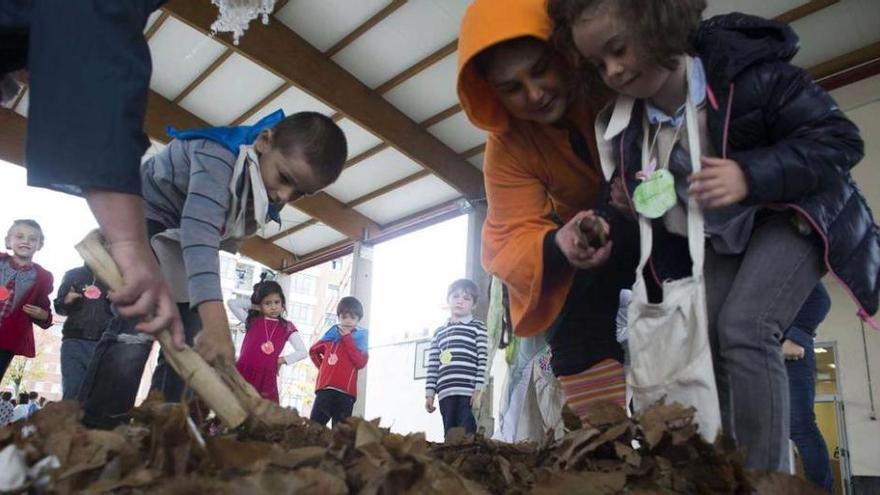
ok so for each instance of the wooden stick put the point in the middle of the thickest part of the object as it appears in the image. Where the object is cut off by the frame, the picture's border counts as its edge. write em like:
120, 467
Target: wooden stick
201, 377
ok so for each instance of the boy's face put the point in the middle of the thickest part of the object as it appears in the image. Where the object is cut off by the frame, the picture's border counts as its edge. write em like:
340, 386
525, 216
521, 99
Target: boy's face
286, 177
529, 81
461, 304
604, 41
24, 241
272, 306
348, 320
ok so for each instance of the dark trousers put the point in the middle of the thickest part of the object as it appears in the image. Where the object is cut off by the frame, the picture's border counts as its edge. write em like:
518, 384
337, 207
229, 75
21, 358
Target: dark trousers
456, 412
76, 354
804, 431
114, 375
331, 404
5, 359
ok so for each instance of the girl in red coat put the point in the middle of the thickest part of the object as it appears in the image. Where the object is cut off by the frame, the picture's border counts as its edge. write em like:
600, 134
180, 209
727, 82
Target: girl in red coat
24, 292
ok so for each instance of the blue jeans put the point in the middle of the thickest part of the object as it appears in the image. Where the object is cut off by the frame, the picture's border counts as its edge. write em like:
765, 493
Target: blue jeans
456, 411
114, 375
804, 431
76, 354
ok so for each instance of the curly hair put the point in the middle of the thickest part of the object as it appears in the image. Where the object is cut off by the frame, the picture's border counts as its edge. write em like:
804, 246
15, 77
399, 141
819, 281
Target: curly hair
662, 28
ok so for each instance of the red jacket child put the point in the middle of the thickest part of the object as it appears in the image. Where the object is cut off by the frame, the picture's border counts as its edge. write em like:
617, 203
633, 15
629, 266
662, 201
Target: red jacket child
338, 358
16, 325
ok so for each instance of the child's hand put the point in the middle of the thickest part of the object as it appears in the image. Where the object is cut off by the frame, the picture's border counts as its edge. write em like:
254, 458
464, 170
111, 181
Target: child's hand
281, 363
475, 399
720, 183
72, 295
214, 342
792, 351
35, 312
429, 404
575, 248
619, 200
344, 330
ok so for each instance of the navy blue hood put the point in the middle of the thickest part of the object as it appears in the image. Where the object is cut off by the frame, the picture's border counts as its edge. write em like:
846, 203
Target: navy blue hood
729, 44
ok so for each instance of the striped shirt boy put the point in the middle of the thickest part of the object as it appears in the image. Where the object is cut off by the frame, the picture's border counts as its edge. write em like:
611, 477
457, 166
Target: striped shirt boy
457, 359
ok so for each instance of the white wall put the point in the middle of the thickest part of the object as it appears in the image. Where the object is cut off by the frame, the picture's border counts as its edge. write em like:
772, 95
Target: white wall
861, 101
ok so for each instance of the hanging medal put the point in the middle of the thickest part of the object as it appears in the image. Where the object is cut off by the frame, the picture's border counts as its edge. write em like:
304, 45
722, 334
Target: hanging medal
4, 293
445, 357
656, 194
268, 347
332, 359
92, 292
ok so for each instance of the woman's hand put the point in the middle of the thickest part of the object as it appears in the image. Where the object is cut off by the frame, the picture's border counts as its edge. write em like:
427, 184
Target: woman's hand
792, 351
575, 245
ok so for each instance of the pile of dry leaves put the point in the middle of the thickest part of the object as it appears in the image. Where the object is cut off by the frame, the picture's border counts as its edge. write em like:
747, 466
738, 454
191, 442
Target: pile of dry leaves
173, 449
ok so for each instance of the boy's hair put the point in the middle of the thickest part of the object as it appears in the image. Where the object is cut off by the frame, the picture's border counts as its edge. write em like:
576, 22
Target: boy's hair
318, 138
33, 395
351, 305
662, 28
483, 60
7, 396
28, 223
261, 291
22, 398
465, 285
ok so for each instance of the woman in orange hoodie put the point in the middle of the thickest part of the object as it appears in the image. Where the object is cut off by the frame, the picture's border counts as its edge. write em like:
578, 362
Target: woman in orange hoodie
543, 181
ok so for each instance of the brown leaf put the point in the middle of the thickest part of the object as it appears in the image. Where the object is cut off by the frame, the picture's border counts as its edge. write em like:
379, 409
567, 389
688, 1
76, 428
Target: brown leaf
298, 457
226, 453
780, 484
581, 483
602, 414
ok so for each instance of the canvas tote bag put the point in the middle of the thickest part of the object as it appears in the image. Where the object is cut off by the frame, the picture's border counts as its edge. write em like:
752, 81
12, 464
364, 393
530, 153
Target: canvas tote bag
669, 341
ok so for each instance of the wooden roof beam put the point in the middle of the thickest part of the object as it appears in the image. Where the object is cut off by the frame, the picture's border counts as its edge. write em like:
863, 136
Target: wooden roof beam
364, 27
804, 10
284, 52
337, 215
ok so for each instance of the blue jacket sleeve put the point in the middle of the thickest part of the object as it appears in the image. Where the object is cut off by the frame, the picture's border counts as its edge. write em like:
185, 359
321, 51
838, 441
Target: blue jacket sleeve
807, 131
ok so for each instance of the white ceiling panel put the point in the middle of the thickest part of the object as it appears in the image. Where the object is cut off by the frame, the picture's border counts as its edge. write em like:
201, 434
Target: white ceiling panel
310, 239
232, 89
371, 174
290, 217
858, 94
438, 81
458, 132
407, 200
22, 107
324, 22
408, 35
291, 101
477, 160
862, 27
358, 138
179, 54
762, 8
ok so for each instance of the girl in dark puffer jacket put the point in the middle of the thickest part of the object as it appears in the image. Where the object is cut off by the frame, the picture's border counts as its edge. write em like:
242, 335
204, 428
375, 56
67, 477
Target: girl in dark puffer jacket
779, 204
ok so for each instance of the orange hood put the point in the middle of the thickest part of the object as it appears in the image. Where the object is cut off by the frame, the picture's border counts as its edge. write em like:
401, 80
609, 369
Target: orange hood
487, 23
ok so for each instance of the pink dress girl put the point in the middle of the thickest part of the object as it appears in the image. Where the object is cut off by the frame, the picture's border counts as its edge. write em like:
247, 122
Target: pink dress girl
260, 359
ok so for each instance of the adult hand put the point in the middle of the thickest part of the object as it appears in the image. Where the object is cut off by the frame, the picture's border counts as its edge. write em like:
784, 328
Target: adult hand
429, 404
720, 183
214, 342
144, 292
792, 351
619, 199
72, 295
35, 312
575, 246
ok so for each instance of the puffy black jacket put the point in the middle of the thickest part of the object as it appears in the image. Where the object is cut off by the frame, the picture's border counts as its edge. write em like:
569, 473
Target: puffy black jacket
86, 318
793, 142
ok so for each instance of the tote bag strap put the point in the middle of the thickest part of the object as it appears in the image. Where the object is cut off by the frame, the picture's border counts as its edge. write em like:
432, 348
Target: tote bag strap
695, 224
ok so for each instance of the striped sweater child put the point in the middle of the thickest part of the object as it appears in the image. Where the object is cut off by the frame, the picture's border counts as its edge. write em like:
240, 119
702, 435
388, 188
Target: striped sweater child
457, 359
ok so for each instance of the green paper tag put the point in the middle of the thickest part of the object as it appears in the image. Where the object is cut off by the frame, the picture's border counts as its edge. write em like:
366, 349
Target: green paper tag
656, 195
